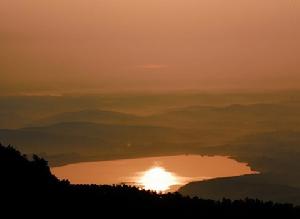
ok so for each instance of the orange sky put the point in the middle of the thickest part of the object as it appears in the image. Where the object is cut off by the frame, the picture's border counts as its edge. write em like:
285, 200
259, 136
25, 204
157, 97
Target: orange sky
149, 44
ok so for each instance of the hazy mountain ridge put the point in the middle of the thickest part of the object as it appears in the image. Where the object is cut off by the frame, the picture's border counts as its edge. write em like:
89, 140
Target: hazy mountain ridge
94, 140
89, 115
197, 126
35, 108
274, 154
262, 130
260, 115
268, 151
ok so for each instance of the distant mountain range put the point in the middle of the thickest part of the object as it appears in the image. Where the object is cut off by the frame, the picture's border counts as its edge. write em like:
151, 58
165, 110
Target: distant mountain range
262, 116
95, 116
94, 140
266, 135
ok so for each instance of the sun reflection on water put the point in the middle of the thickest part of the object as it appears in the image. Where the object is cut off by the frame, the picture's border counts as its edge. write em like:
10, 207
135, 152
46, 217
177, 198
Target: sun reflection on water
158, 179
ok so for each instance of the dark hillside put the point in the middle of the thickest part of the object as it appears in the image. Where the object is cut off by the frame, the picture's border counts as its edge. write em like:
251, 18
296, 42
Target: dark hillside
28, 184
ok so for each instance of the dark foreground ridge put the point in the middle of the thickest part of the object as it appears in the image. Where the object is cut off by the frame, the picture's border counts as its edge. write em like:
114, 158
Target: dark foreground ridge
27, 186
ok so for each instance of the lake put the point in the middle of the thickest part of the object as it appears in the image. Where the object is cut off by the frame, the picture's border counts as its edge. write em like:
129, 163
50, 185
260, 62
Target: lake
160, 174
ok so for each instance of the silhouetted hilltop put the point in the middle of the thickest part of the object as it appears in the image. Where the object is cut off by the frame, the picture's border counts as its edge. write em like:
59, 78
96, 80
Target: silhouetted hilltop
28, 184
17, 170
260, 186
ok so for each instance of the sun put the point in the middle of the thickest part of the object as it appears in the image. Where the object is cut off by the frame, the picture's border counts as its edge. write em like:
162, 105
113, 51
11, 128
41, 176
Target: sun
157, 179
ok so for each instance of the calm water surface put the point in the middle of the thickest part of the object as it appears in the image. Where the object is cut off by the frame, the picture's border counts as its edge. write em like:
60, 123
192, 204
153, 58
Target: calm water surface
162, 174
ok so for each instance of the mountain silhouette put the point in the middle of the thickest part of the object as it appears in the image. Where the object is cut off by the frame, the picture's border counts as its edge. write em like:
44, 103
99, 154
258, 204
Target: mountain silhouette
28, 184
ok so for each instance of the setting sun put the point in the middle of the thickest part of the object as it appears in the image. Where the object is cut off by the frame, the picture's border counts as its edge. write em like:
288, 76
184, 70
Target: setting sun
158, 179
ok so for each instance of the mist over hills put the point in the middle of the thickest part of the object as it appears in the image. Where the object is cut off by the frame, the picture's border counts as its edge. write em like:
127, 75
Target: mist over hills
102, 141
260, 114
186, 130
35, 107
104, 83
95, 116
260, 129
274, 154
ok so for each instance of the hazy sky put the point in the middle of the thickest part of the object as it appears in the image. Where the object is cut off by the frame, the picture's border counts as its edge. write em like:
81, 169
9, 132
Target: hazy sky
149, 44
